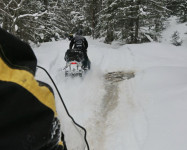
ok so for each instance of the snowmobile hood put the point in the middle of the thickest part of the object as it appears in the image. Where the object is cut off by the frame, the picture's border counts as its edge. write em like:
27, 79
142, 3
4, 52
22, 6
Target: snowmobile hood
16, 53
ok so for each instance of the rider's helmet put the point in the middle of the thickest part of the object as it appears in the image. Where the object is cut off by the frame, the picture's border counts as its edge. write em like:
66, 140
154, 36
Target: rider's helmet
70, 37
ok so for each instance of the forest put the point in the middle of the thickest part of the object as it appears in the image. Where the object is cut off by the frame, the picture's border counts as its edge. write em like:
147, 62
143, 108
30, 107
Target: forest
130, 21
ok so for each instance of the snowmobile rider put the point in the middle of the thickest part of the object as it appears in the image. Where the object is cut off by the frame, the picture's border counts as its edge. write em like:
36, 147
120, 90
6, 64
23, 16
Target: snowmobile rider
29, 120
79, 42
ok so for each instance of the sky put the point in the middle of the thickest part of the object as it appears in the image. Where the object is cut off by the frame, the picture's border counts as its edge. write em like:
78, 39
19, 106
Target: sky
147, 111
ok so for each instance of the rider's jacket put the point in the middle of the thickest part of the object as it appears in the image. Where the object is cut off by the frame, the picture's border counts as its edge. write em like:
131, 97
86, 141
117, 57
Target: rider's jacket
27, 107
79, 42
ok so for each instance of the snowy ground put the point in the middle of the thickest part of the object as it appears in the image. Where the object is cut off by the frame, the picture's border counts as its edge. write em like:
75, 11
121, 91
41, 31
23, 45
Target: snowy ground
145, 112
173, 26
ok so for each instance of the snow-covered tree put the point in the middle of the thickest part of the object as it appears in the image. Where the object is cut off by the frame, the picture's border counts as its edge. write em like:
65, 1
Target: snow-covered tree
110, 19
34, 20
131, 21
91, 8
183, 11
20, 16
178, 8
153, 21
176, 40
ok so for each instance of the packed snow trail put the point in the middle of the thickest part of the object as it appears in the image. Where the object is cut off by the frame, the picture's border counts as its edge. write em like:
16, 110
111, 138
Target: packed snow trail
133, 114
96, 98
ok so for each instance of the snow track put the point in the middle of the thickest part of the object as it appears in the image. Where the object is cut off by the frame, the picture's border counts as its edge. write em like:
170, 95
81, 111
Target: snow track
120, 112
108, 105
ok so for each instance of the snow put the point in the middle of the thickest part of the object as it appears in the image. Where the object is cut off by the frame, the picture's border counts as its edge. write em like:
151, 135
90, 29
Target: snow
147, 112
16, 27
35, 15
172, 27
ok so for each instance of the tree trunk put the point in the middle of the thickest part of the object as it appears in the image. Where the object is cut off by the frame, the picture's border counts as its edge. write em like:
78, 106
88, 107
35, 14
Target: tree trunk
136, 30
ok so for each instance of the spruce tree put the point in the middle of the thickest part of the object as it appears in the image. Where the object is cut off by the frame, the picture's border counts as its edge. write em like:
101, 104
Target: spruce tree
176, 40
183, 11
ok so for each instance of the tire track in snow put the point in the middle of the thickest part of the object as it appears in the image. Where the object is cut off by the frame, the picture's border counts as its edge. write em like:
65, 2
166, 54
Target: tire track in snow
109, 103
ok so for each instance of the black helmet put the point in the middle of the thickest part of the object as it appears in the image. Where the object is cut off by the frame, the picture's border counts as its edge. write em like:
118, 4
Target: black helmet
79, 32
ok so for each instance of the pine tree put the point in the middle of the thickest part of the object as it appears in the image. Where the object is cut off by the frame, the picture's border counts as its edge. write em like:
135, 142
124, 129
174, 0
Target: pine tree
176, 40
78, 16
131, 21
178, 8
183, 11
91, 8
156, 13
108, 22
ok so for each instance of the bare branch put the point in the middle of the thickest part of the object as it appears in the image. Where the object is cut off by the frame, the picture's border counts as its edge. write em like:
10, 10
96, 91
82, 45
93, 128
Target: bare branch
21, 3
15, 2
7, 6
6, 13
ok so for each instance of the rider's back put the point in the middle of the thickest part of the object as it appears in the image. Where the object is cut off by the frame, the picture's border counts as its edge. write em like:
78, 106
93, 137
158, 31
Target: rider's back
79, 42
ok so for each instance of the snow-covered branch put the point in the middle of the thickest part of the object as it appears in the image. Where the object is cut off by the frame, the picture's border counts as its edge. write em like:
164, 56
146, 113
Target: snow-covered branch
32, 15
157, 4
7, 6
21, 3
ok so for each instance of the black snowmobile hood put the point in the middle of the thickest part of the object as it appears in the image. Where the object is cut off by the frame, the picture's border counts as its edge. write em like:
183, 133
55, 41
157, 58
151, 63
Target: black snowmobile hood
16, 53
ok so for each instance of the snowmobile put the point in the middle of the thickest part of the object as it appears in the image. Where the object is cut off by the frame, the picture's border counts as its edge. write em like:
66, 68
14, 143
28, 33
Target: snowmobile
74, 63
